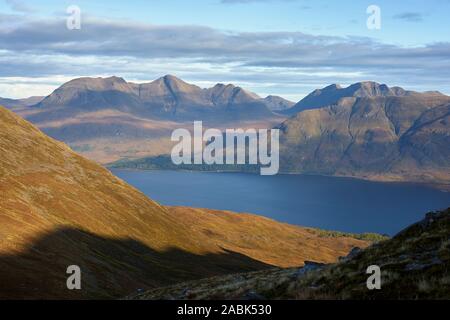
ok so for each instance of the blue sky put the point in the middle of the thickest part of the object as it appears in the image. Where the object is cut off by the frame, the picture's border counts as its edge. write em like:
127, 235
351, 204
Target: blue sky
322, 17
285, 47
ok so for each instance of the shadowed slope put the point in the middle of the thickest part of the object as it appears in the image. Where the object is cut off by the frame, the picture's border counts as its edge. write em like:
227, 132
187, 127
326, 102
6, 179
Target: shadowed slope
109, 267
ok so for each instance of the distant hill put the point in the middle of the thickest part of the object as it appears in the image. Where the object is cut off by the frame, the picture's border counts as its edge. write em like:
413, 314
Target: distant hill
380, 138
20, 103
167, 97
333, 93
60, 209
276, 103
414, 266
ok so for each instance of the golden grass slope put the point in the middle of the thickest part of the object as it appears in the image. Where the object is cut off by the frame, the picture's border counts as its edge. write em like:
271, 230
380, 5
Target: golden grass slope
58, 209
263, 239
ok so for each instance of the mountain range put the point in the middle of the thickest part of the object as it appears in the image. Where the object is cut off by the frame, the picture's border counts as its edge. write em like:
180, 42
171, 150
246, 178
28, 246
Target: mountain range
59, 209
108, 119
167, 98
366, 130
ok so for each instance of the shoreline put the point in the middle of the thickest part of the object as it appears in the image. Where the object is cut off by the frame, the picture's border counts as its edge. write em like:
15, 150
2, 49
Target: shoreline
443, 187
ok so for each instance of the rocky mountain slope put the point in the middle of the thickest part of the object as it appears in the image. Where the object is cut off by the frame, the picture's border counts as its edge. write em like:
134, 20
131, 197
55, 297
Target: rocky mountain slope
380, 138
414, 265
59, 209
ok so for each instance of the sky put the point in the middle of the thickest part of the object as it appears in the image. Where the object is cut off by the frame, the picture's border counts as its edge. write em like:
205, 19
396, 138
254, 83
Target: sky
280, 47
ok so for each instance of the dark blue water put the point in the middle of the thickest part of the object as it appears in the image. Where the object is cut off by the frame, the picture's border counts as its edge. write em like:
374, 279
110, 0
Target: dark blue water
325, 202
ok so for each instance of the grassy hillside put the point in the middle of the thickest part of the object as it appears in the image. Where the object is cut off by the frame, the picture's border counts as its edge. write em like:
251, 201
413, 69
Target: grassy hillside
263, 239
415, 264
58, 209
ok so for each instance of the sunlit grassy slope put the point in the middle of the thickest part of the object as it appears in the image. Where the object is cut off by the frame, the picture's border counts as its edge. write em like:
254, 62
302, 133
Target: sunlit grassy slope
59, 209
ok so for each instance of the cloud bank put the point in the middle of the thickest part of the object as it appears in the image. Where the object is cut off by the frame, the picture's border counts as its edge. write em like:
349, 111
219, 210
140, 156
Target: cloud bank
285, 63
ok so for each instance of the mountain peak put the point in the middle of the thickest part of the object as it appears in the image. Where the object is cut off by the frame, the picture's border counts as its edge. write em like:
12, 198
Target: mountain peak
333, 93
370, 89
173, 84
276, 103
222, 85
366, 83
333, 86
114, 79
171, 78
98, 83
